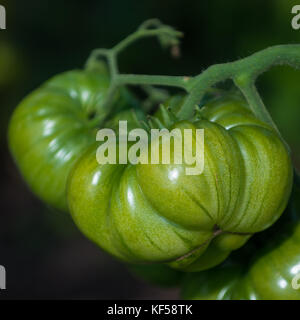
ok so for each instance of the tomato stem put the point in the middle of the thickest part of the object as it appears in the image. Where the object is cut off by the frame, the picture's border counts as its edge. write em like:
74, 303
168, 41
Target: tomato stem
256, 104
167, 36
243, 72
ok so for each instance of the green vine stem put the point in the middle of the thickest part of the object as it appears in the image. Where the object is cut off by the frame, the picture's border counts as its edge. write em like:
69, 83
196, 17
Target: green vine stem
167, 36
243, 72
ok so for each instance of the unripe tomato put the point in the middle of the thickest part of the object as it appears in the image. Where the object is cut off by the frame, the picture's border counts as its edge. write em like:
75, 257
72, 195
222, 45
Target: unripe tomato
156, 213
273, 274
54, 125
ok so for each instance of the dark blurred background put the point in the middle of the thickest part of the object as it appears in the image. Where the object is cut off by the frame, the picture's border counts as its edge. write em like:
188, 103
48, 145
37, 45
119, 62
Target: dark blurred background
44, 254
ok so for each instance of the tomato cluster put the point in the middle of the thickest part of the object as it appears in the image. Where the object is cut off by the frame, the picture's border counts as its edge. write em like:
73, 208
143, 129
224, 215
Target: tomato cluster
142, 213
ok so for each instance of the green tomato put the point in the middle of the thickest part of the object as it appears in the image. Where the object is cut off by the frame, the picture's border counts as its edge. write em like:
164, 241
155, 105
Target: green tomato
213, 284
156, 213
274, 274
53, 126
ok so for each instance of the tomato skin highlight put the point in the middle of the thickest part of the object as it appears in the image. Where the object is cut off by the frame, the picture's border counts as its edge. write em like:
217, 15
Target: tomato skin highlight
51, 128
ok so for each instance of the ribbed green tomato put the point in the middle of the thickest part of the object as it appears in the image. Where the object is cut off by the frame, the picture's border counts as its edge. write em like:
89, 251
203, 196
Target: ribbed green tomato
52, 127
157, 213
273, 275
